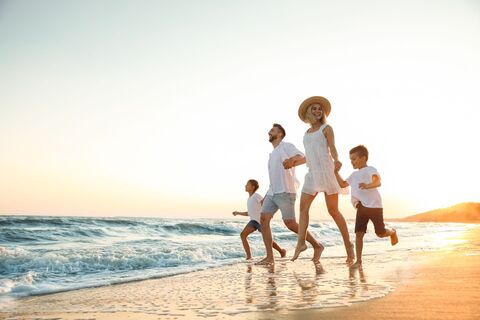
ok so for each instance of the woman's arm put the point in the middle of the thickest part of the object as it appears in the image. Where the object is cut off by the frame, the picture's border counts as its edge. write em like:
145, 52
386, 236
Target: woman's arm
328, 132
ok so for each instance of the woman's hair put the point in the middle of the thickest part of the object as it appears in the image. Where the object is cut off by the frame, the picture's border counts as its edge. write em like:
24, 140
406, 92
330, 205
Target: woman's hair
310, 117
360, 150
254, 184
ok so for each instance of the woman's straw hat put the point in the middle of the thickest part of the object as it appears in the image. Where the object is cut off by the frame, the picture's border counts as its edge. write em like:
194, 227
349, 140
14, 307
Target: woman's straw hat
314, 100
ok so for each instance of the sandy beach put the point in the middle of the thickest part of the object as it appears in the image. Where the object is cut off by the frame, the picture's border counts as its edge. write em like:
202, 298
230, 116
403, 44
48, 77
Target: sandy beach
446, 285
442, 284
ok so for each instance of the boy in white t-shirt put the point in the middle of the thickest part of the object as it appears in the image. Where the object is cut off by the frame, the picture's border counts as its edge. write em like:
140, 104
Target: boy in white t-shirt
366, 198
254, 207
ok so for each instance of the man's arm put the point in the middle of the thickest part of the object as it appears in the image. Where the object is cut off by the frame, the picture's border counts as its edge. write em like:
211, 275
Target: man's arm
374, 184
294, 161
238, 213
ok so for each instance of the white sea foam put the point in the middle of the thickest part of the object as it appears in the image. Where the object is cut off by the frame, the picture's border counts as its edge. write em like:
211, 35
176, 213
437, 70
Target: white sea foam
42, 255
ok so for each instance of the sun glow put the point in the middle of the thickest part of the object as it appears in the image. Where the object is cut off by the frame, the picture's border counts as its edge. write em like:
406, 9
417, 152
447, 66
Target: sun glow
172, 117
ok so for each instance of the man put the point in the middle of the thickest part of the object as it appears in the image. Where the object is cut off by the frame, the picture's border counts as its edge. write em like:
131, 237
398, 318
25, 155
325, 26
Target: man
282, 192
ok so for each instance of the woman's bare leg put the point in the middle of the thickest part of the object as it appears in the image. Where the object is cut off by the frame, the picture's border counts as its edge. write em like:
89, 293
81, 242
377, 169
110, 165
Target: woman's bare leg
332, 206
305, 203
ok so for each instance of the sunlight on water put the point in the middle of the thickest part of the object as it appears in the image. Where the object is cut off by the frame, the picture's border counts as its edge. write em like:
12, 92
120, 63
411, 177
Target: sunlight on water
49, 254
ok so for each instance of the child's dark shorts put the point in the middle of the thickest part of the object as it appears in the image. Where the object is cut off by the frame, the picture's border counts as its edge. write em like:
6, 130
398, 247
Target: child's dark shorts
364, 214
255, 225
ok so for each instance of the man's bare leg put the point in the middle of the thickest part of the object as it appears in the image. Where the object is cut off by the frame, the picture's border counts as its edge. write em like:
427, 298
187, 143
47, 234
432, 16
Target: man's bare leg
317, 247
267, 238
243, 235
332, 206
305, 203
282, 252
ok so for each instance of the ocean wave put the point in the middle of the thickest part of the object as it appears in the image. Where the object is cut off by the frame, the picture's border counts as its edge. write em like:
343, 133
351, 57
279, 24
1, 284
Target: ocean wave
25, 271
49, 254
200, 228
38, 221
48, 234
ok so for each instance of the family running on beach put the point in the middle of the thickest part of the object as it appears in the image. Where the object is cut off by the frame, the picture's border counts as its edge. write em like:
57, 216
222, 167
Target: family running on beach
323, 176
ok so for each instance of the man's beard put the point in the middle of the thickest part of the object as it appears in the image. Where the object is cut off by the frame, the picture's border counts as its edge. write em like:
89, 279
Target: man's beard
271, 138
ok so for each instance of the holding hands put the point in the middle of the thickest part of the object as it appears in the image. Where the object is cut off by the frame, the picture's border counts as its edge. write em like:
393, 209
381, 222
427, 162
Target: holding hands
289, 163
294, 161
338, 165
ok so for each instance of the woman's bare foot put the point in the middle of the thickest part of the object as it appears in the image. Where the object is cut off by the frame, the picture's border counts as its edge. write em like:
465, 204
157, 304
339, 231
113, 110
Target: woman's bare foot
318, 268
394, 237
350, 254
265, 261
299, 249
317, 252
357, 264
283, 253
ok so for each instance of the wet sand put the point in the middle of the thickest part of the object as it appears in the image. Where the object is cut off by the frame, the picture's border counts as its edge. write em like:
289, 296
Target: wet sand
432, 285
445, 286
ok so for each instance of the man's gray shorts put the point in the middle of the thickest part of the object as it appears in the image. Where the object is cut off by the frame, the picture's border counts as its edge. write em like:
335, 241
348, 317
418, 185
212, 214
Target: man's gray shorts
283, 201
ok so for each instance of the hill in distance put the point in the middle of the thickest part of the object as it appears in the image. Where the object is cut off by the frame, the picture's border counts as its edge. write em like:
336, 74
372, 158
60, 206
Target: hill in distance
468, 212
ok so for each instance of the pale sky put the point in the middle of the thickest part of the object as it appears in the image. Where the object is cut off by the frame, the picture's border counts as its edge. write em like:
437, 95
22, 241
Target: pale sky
162, 108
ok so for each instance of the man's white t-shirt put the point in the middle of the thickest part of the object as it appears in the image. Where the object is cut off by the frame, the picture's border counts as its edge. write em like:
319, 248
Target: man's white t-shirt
282, 180
369, 198
254, 207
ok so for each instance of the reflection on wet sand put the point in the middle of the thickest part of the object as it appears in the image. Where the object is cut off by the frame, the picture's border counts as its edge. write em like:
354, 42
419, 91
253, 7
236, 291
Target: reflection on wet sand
357, 282
221, 293
309, 285
295, 286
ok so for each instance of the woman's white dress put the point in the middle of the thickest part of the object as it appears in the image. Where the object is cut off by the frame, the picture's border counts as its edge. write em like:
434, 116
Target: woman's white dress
320, 176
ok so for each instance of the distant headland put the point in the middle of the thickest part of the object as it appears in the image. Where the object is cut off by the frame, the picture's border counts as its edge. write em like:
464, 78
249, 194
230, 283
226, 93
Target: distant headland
468, 212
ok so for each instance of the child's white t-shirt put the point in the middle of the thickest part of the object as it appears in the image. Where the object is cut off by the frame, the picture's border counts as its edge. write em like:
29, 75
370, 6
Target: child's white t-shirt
254, 206
369, 198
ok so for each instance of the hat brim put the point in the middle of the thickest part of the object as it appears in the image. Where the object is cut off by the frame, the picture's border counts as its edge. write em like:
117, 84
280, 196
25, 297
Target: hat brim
302, 110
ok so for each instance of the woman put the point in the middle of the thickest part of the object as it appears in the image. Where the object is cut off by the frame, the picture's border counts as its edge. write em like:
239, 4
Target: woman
321, 158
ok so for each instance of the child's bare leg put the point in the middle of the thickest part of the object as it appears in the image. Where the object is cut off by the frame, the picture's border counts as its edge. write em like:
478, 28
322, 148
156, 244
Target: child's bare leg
267, 238
392, 233
305, 203
243, 235
282, 252
359, 248
332, 206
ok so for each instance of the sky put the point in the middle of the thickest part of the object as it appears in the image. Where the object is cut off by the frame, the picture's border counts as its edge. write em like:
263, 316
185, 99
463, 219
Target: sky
162, 108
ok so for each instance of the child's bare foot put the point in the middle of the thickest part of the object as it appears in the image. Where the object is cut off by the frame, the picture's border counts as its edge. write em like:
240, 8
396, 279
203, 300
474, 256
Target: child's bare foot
266, 261
357, 264
299, 249
283, 253
350, 254
317, 252
248, 258
394, 238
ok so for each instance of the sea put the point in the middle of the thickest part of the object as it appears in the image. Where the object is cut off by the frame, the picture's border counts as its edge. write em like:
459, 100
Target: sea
43, 255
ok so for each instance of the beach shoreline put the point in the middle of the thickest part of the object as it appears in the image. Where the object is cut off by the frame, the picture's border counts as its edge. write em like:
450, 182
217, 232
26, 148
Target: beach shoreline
420, 289
446, 285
